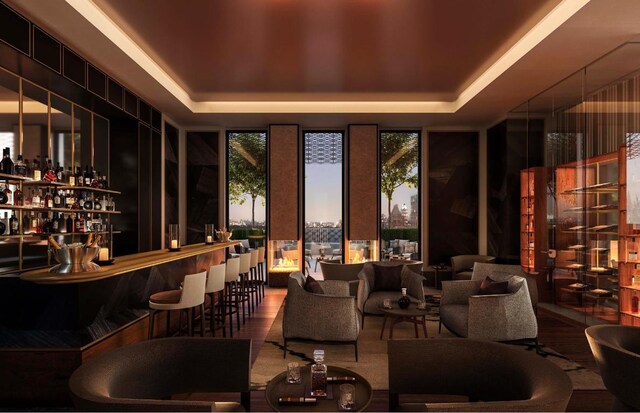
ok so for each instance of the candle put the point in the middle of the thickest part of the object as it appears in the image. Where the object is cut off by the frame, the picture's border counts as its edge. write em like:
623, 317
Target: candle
174, 243
104, 254
209, 239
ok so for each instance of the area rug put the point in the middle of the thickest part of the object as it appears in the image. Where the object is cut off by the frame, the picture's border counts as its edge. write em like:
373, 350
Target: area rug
372, 362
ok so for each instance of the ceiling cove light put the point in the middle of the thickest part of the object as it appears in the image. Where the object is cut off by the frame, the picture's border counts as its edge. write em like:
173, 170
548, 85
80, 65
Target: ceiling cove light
554, 19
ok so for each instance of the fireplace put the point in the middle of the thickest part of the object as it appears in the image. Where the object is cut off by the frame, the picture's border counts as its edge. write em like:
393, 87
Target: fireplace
360, 251
284, 257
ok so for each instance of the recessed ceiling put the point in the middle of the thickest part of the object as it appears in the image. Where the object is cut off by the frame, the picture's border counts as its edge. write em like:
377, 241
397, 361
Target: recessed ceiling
215, 49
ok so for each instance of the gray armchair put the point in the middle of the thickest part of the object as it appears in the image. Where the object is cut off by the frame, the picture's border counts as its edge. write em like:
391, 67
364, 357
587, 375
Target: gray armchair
483, 270
328, 317
462, 265
498, 317
617, 353
369, 301
344, 272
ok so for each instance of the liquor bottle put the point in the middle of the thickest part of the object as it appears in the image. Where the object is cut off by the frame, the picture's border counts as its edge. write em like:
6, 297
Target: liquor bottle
26, 223
97, 205
87, 203
29, 168
87, 176
48, 173
59, 172
62, 224
79, 177
40, 224
47, 225
37, 173
318, 375
88, 223
55, 224
6, 165
403, 302
3, 197
4, 224
18, 197
35, 198
14, 225
105, 184
78, 224
48, 200
75, 204
20, 167
93, 175
57, 200
71, 179
7, 191
33, 226
69, 223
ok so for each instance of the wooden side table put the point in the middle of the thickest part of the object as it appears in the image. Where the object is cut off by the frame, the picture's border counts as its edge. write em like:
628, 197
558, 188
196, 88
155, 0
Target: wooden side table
411, 315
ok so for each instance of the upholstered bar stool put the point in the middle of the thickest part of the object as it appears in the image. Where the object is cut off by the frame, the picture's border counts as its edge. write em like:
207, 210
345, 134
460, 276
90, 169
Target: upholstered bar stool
255, 282
190, 297
230, 303
245, 294
261, 269
215, 284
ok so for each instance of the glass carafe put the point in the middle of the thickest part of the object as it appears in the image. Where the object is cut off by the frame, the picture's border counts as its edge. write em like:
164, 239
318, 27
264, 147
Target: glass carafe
318, 374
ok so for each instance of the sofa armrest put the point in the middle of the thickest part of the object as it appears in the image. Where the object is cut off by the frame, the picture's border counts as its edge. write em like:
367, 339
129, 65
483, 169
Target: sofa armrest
413, 283
502, 317
335, 287
458, 292
364, 289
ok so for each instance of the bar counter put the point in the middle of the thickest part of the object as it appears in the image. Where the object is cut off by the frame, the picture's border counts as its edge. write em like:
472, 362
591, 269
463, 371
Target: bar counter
125, 264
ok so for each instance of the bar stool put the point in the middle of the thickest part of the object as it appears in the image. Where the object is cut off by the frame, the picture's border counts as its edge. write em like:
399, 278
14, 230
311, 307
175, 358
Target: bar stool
245, 294
230, 303
255, 282
215, 284
261, 269
191, 296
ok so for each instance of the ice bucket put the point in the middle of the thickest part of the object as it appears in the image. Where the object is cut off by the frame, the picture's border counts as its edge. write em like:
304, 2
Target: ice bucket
75, 259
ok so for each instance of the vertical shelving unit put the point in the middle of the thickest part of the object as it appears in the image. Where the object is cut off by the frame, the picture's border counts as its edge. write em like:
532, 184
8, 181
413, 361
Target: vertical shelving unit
533, 220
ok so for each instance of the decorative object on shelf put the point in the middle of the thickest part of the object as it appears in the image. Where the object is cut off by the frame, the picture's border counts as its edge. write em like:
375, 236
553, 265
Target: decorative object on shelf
224, 235
174, 237
105, 256
209, 234
403, 302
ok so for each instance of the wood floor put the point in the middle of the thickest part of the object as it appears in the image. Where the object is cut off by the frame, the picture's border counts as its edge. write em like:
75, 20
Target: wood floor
559, 334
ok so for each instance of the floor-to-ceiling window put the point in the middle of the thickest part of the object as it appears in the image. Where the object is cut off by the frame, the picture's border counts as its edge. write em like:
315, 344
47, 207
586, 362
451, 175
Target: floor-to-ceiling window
400, 194
322, 197
247, 185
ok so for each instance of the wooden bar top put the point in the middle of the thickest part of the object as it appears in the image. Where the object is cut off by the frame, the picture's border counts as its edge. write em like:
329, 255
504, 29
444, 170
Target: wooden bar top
124, 264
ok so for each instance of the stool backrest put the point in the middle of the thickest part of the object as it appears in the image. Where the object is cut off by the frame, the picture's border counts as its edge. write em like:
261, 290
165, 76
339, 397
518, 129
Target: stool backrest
232, 269
245, 263
193, 289
261, 255
215, 278
254, 258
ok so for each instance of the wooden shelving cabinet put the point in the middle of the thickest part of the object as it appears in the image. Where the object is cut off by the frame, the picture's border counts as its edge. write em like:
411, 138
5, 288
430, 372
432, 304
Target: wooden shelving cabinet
629, 266
533, 219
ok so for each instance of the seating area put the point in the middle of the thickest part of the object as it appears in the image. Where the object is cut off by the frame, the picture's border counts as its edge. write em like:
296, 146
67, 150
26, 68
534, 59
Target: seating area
320, 205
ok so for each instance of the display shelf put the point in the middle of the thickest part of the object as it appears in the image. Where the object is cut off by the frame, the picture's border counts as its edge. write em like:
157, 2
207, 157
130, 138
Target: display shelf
90, 189
12, 178
65, 210
31, 182
56, 234
533, 220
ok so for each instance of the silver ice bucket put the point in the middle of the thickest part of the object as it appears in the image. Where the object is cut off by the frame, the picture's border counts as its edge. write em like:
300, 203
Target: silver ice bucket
76, 259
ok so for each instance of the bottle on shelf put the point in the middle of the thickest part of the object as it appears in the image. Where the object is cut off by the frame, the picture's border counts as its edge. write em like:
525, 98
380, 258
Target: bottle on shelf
9, 194
57, 200
37, 173
318, 374
18, 197
86, 202
62, 224
59, 172
4, 199
28, 168
4, 224
47, 225
20, 167
48, 200
87, 176
69, 223
88, 223
78, 224
14, 225
97, 205
6, 165
105, 184
70, 179
55, 224
33, 227
26, 223
35, 198
48, 173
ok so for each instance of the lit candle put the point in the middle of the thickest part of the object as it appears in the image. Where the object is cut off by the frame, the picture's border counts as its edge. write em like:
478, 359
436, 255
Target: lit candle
174, 244
104, 254
209, 239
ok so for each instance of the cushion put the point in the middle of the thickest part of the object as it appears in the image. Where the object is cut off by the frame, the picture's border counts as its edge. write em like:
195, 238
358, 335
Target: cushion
167, 297
489, 287
313, 286
387, 277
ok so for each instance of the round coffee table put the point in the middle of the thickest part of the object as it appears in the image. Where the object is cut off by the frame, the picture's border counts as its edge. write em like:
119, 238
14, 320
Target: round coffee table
278, 387
410, 314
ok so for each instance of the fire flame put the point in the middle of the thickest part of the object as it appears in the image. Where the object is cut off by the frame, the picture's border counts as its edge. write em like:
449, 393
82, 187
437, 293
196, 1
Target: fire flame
358, 258
287, 262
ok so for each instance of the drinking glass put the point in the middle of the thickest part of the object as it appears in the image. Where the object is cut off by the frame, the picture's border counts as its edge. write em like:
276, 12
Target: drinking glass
422, 305
293, 373
347, 397
386, 303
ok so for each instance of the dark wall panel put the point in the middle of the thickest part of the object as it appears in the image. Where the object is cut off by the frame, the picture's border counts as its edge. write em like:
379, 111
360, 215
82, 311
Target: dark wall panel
145, 188
508, 152
203, 167
156, 190
453, 195
15, 29
171, 176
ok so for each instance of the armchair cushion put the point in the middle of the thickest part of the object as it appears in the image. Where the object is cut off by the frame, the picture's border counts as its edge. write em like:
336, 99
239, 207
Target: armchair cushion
387, 278
313, 286
490, 286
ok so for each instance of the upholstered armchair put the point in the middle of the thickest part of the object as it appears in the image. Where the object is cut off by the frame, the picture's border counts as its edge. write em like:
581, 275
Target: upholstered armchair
344, 272
483, 270
462, 265
370, 300
496, 317
328, 317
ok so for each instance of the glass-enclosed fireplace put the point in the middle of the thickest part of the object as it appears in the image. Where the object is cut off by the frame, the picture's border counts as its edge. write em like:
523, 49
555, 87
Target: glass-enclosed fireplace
285, 256
361, 251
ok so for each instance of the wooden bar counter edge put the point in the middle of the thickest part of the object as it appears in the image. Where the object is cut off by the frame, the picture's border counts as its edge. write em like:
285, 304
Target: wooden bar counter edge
124, 264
